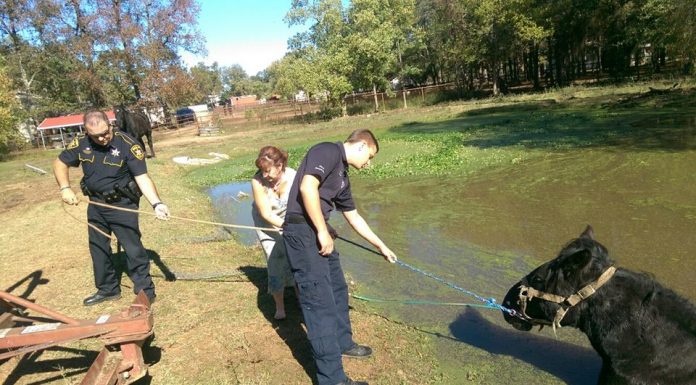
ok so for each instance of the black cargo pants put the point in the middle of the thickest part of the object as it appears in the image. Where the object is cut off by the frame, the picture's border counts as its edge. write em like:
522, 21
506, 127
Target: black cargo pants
126, 228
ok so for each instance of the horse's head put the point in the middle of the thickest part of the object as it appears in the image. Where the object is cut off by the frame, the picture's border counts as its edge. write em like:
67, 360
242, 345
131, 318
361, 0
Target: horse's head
120, 112
546, 295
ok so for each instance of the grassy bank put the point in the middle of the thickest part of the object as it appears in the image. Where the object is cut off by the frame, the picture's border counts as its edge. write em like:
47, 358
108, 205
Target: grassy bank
465, 137
213, 323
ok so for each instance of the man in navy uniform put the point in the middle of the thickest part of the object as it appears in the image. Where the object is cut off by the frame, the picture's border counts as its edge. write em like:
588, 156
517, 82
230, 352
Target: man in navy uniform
115, 173
320, 185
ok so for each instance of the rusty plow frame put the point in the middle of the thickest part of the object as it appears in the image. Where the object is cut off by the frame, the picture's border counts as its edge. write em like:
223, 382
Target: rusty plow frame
121, 360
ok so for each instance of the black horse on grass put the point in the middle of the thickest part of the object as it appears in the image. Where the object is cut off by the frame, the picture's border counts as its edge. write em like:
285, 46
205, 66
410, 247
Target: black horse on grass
135, 124
644, 332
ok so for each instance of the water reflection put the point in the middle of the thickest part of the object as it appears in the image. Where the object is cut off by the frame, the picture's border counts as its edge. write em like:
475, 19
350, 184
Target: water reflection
233, 202
575, 365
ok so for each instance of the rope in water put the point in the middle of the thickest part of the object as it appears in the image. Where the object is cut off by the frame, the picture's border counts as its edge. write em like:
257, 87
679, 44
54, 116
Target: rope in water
490, 302
419, 302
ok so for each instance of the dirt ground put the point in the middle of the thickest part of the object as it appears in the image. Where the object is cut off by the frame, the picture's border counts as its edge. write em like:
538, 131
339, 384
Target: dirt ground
214, 329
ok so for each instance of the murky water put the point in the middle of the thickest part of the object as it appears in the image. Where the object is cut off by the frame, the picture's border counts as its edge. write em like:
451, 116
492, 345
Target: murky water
233, 204
485, 232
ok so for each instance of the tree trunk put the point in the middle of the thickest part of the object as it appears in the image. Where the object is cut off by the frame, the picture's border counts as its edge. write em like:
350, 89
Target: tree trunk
496, 79
534, 67
374, 93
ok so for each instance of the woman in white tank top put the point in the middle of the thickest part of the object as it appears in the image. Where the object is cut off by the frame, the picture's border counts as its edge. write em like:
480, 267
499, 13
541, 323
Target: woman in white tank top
271, 186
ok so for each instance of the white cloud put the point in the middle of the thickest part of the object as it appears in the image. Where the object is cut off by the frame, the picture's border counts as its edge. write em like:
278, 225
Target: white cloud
253, 57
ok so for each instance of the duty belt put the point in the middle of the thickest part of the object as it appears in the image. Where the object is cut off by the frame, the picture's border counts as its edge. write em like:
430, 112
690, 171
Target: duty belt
295, 219
108, 197
131, 192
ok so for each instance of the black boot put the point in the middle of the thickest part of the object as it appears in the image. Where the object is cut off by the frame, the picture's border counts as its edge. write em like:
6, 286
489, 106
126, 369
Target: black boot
98, 297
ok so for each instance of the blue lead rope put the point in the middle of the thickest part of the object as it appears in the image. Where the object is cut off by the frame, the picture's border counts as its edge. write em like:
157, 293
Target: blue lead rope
418, 302
490, 302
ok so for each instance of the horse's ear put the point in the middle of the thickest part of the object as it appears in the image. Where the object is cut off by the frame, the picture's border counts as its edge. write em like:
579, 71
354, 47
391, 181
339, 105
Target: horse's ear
588, 233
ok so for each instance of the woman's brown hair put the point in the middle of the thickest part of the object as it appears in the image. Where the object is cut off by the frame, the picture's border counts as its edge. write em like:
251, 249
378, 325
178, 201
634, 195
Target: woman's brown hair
270, 156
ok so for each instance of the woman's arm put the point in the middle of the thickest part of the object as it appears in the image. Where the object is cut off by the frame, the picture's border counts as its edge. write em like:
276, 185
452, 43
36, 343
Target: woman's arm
263, 205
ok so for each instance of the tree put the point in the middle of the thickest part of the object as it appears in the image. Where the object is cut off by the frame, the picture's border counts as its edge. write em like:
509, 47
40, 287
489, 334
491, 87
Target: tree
376, 33
207, 78
10, 115
65, 56
143, 39
474, 35
677, 18
179, 88
232, 77
320, 61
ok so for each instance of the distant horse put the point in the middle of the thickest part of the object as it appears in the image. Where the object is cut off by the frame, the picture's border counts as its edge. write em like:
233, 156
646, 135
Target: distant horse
136, 124
644, 332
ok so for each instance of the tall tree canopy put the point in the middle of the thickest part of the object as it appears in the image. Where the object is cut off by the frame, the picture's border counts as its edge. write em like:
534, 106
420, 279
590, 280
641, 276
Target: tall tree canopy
482, 43
65, 56
10, 114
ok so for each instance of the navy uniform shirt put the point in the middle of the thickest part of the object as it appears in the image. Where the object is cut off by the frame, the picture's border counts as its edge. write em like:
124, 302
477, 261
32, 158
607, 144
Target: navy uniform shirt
105, 166
327, 162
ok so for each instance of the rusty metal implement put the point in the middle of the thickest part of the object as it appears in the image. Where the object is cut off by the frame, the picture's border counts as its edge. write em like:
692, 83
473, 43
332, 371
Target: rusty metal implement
120, 362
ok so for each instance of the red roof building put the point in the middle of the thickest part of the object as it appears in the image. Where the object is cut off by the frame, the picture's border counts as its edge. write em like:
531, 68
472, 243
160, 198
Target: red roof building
60, 130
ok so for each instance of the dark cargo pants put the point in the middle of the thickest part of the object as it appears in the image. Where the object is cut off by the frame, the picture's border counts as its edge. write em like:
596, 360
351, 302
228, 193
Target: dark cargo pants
125, 226
324, 300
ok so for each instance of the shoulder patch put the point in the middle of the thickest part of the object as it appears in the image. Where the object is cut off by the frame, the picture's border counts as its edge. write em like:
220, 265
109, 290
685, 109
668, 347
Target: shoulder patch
125, 137
75, 142
138, 152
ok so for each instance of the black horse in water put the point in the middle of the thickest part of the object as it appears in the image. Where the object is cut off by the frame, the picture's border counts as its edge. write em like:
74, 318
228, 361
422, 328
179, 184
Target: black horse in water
644, 332
136, 124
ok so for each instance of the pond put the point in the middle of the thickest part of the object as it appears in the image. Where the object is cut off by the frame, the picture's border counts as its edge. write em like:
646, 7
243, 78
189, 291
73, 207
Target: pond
485, 232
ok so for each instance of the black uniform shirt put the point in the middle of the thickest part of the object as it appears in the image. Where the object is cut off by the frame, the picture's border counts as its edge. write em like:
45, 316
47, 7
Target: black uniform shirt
327, 162
105, 166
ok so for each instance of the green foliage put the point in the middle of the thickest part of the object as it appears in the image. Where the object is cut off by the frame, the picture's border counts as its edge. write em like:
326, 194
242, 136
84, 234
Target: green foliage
321, 63
65, 57
207, 78
676, 18
325, 113
9, 115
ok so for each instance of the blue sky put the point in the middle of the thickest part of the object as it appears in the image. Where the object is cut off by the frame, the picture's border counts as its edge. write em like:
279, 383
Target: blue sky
250, 33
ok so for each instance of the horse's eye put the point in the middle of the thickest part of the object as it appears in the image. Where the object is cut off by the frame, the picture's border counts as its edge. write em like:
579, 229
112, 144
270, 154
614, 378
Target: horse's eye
537, 280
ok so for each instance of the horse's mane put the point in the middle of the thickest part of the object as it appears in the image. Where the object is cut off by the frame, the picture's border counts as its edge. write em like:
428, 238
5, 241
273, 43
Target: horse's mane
667, 302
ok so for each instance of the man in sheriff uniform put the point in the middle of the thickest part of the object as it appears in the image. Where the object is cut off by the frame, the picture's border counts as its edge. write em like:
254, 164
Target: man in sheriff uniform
320, 185
114, 173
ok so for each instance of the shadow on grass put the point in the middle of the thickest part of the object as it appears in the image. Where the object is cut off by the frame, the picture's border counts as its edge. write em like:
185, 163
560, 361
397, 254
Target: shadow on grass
69, 367
169, 275
575, 365
34, 279
653, 124
119, 258
78, 363
290, 329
